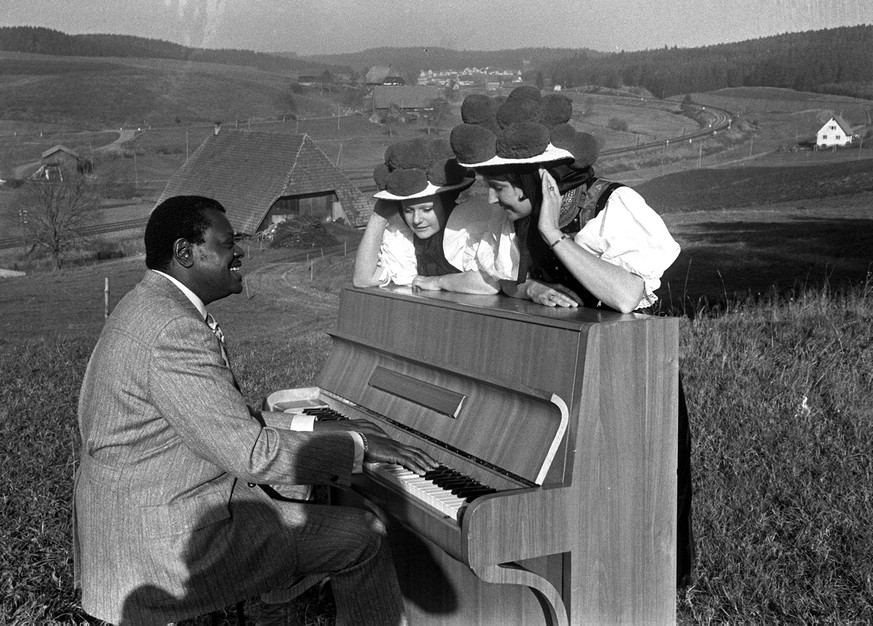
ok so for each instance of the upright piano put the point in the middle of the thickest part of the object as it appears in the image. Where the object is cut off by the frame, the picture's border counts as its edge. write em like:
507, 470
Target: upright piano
557, 432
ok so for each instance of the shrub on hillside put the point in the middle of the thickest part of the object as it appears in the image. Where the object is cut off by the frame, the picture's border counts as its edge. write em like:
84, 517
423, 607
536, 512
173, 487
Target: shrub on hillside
302, 232
617, 123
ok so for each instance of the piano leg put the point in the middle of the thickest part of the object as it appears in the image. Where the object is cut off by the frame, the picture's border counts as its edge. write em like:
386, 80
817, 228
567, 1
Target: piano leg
512, 574
439, 590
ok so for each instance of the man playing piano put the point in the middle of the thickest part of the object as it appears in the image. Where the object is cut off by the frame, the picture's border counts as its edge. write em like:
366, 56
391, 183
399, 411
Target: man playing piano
170, 520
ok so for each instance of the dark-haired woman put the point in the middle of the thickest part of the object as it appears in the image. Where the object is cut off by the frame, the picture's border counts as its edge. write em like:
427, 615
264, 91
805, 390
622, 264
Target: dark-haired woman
581, 240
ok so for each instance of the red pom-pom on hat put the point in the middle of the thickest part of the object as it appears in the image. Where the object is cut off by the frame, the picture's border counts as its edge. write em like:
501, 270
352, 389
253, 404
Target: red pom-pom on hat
412, 153
582, 146
521, 141
555, 108
446, 172
478, 108
380, 175
406, 182
522, 105
441, 149
472, 143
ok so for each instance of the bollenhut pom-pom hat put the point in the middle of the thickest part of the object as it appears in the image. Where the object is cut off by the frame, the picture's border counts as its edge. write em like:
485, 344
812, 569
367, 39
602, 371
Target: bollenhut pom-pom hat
522, 105
522, 140
555, 108
417, 168
473, 143
521, 135
582, 146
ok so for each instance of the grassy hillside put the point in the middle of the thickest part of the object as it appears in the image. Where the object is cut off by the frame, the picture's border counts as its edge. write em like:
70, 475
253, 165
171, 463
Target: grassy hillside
91, 93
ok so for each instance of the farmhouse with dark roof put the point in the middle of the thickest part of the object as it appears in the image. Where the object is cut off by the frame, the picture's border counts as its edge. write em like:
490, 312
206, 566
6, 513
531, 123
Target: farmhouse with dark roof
262, 178
835, 132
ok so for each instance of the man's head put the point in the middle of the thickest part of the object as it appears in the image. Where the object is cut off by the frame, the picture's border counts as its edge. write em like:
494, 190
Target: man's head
191, 239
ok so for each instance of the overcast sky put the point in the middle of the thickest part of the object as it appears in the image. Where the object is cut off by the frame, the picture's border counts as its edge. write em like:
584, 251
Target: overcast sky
334, 26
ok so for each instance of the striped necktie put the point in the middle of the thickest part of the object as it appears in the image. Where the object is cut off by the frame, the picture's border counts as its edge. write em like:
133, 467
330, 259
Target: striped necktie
216, 329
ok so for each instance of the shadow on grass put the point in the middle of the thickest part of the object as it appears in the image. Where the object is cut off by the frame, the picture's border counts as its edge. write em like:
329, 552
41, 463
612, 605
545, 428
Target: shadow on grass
738, 259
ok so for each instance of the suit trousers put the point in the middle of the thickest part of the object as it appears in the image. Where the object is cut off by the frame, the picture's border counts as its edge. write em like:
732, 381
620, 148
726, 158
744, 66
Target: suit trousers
265, 547
351, 545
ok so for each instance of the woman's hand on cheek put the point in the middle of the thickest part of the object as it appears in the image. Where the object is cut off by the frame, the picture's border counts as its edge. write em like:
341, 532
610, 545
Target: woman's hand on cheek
550, 210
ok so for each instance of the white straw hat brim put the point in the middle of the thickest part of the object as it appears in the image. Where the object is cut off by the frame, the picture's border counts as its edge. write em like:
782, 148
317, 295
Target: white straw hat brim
550, 155
430, 190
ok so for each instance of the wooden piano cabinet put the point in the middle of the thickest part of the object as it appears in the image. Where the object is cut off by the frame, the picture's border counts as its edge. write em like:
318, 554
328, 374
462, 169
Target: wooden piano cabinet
596, 542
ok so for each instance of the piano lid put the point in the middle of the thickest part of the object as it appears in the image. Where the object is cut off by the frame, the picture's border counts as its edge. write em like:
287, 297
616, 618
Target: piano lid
487, 377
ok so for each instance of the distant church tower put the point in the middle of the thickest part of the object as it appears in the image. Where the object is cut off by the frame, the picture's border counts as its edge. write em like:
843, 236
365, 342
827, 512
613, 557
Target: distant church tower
525, 65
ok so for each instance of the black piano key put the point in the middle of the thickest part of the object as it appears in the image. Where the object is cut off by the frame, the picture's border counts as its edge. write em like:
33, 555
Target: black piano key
463, 490
484, 492
448, 485
324, 413
441, 470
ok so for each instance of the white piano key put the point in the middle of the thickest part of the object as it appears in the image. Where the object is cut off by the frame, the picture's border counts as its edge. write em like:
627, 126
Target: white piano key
421, 489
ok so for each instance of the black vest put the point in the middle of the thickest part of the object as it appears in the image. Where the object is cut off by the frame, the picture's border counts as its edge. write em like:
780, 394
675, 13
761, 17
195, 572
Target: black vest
545, 265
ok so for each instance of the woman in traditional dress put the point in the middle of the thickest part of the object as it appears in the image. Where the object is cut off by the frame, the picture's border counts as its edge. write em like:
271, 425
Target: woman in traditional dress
582, 240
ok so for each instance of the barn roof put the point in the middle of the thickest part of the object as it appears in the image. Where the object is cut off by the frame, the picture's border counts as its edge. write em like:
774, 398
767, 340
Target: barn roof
377, 73
247, 171
59, 148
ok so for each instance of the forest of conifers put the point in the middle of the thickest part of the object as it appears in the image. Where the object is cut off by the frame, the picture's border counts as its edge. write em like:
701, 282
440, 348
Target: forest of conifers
835, 60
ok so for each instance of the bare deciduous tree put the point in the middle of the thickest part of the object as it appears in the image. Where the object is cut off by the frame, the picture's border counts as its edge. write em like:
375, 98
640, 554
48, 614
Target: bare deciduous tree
393, 117
437, 110
57, 210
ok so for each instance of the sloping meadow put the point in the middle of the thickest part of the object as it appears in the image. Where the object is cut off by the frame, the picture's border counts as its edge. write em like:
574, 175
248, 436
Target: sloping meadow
779, 391
780, 399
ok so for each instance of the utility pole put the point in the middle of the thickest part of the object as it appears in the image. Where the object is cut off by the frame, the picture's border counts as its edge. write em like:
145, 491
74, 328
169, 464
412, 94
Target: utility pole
664, 154
22, 218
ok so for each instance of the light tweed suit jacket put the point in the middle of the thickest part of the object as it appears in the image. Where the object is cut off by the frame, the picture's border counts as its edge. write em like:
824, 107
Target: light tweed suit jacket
168, 520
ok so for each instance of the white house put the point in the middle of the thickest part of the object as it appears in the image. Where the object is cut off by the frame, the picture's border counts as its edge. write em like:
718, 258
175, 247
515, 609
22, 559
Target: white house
835, 132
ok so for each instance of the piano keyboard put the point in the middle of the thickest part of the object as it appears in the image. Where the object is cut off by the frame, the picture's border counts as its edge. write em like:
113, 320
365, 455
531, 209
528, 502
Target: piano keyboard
444, 489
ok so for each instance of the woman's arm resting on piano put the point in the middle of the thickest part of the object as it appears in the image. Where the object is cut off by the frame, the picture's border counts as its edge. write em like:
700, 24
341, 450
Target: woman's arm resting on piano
471, 281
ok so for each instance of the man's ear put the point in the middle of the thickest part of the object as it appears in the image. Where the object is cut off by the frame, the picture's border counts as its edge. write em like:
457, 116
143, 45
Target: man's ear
183, 252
